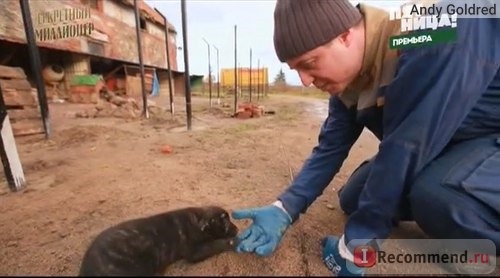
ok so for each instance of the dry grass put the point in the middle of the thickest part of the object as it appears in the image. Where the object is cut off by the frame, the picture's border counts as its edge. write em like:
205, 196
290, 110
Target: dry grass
299, 91
272, 90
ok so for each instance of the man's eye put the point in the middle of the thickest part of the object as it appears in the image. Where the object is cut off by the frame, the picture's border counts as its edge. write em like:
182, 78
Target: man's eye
309, 64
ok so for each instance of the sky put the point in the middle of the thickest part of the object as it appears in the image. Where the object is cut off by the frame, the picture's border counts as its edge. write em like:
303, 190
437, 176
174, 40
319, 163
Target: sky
215, 22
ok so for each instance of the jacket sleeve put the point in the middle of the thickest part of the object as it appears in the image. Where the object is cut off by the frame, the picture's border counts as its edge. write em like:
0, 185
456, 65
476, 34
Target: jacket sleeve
433, 91
337, 135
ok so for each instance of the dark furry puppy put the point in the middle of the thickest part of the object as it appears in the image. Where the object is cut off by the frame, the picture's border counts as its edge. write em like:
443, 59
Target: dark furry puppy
147, 246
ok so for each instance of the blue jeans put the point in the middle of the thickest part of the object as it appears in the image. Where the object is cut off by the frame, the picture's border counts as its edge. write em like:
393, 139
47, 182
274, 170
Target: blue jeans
455, 196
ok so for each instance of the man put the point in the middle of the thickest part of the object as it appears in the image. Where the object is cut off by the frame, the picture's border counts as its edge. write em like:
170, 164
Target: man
435, 109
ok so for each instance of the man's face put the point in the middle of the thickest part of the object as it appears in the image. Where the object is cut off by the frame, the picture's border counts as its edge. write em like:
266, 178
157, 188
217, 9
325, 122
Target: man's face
331, 67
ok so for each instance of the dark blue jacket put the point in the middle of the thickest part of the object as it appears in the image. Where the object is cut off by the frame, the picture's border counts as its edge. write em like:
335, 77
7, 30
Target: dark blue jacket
450, 91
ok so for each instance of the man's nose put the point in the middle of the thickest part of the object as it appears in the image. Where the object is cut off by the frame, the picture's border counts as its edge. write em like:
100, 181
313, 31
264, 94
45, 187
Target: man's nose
306, 79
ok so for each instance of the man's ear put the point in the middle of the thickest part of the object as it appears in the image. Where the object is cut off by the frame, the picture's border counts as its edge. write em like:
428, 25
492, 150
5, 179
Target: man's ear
345, 38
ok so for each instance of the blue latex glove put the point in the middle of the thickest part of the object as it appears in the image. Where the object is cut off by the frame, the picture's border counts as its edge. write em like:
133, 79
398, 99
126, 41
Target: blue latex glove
265, 233
334, 262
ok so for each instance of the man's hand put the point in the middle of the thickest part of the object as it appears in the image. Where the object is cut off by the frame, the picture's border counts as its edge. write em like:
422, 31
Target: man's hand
265, 233
335, 262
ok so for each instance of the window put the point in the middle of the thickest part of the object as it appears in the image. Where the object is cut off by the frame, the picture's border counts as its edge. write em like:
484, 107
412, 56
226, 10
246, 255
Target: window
143, 23
90, 3
96, 48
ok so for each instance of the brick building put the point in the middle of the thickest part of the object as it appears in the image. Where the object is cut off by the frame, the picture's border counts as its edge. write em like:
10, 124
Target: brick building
91, 37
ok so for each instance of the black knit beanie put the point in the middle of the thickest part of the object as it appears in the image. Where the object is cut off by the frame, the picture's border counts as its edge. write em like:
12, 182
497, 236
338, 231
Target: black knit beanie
302, 25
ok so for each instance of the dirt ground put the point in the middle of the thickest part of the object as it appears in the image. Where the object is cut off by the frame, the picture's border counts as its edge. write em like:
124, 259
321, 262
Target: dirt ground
93, 173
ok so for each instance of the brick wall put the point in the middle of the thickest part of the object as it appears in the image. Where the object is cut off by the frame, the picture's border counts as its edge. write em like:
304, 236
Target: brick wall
113, 36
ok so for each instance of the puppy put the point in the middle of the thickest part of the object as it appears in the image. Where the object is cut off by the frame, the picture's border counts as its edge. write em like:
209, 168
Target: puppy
147, 246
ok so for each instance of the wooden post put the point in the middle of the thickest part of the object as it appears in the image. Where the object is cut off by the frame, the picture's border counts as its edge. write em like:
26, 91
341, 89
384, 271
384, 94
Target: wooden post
145, 111
171, 93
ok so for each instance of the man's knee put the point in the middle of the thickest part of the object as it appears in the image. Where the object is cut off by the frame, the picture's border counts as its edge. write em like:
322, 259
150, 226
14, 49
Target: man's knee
468, 169
432, 208
350, 192
347, 203
442, 212
457, 196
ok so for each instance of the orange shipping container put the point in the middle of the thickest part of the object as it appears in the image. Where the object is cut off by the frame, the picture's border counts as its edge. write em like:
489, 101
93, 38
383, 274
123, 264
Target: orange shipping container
259, 76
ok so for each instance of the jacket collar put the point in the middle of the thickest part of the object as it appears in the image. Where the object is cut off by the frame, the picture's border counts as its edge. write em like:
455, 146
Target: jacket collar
378, 30
376, 40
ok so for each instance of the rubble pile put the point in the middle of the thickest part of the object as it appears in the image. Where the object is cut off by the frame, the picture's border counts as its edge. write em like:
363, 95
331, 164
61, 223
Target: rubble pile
111, 105
248, 110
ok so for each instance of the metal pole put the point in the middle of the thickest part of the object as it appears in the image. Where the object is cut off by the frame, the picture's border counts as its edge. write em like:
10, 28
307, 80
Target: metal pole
187, 82
209, 75
235, 69
258, 79
168, 64
250, 75
263, 88
141, 65
12, 166
218, 77
5, 161
36, 65
262, 82
240, 72
265, 85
